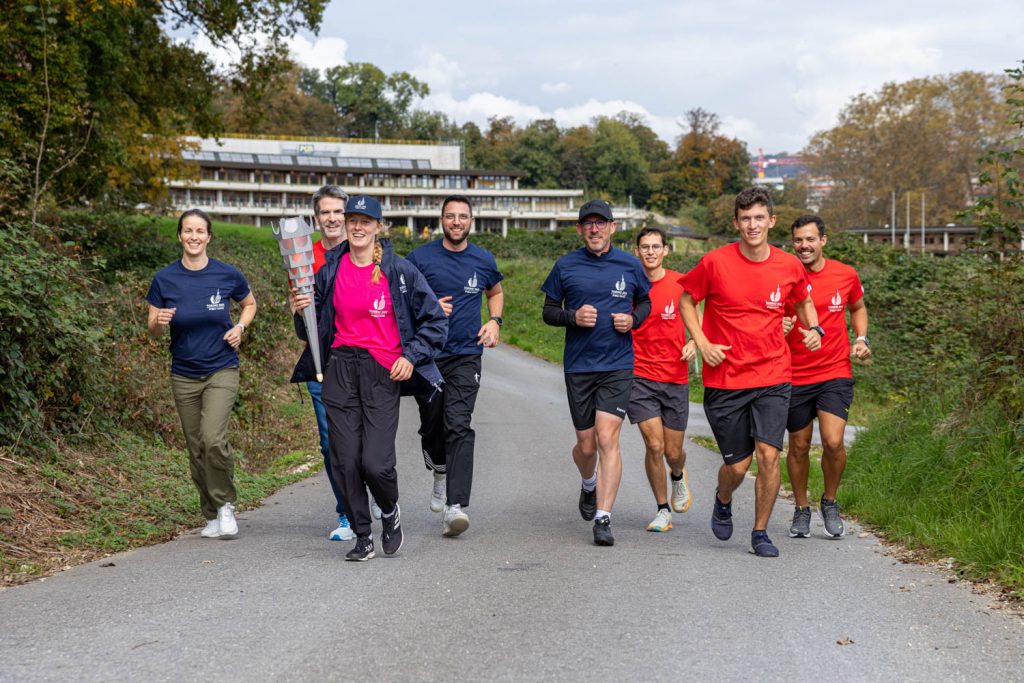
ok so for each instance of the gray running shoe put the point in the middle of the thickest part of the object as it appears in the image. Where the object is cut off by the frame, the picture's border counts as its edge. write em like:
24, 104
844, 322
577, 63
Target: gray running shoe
801, 527
830, 516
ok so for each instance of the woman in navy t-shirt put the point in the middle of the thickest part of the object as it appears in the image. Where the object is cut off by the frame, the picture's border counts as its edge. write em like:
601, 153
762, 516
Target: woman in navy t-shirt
192, 297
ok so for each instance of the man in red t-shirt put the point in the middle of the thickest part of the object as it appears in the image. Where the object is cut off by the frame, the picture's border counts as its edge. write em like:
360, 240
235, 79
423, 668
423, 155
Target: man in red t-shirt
747, 370
329, 216
823, 381
659, 401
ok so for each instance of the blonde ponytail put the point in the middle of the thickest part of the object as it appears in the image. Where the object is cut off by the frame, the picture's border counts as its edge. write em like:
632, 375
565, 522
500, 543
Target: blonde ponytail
378, 255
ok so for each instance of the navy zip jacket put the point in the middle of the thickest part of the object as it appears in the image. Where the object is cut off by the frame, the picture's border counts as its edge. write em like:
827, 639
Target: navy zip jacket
422, 325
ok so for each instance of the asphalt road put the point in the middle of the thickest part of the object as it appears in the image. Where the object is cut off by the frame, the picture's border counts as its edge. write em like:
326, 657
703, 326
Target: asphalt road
523, 595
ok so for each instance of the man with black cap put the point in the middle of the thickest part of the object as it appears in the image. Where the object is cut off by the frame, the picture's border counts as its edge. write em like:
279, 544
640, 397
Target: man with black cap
599, 295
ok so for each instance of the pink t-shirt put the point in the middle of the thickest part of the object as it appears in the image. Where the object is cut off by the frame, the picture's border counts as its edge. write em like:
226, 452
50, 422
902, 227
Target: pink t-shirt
363, 314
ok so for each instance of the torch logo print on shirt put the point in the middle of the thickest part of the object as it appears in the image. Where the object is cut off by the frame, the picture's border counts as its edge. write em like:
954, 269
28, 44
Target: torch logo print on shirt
620, 288
670, 311
774, 299
401, 283
379, 304
216, 304
472, 285
836, 302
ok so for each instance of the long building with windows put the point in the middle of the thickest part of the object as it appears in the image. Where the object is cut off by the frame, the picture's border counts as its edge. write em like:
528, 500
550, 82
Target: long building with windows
259, 179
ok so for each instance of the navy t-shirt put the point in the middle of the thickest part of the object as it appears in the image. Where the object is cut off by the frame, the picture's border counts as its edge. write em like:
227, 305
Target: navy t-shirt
463, 275
203, 316
611, 283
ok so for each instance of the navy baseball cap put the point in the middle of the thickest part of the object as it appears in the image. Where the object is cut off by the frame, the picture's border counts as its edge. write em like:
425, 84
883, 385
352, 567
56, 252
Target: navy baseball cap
367, 206
596, 207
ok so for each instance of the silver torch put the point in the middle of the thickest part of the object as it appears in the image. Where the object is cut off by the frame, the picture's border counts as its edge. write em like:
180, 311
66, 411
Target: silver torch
295, 240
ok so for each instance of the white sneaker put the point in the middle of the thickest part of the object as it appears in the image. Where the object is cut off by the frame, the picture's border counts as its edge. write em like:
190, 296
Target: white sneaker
226, 520
343, 532
211, 530
681, 498
661, 522
440, 493
374, 508
455, 521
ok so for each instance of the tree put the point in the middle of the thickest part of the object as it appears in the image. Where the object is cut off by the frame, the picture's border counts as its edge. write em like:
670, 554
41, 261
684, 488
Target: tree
536, 153
999, 210
576, 151
619, 167
370, 103
95, 97
705, 165
283, 108
923, 136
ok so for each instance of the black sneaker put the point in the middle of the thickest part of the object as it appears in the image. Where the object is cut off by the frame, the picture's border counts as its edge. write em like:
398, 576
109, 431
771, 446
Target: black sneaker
721, 519
362, 551
391, 539
588, 504
603, 531
829, 515
762, 545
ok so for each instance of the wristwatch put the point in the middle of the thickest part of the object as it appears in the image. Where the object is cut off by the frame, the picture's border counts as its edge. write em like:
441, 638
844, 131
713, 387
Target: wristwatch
863, 338
819, 330
498, 319
242, 325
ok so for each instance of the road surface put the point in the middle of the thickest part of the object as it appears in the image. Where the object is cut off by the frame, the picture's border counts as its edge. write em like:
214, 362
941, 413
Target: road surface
523, 595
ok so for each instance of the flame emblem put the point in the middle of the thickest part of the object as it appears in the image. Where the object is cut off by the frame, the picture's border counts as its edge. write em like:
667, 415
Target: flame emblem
378, 304
621, 284
837, 299
361, 204
671, 308
215, 299
776, 296
472, 282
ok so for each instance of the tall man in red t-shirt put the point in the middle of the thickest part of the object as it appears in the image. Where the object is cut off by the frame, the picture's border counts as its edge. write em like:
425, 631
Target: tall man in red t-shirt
659, 401
823, 381
747, 371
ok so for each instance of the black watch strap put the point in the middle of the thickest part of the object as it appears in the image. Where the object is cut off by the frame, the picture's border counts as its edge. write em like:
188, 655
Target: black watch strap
498, 319
819, 329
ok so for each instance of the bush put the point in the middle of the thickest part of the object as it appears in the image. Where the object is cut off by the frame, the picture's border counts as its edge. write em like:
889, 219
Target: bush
50, 345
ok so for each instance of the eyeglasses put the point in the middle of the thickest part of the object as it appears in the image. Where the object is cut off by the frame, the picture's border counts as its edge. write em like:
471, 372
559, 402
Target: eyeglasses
590, 225
452, 216
650, 248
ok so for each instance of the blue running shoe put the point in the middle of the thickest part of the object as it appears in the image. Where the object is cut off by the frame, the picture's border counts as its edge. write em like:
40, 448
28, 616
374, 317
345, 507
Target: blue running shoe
762, 545
721, 519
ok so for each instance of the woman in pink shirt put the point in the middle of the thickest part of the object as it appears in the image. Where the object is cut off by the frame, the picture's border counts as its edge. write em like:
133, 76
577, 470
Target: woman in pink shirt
379, 322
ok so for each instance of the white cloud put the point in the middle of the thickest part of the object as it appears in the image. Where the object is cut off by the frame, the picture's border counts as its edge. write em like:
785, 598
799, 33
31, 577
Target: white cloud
554, 88
323, 54
437, 71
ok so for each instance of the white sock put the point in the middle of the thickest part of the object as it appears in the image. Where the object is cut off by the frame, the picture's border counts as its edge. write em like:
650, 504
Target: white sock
603, 513
388, 515
455, 508
590, 484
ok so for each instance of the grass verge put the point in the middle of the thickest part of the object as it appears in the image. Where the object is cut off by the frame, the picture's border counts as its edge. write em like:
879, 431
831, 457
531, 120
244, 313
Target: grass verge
947, 490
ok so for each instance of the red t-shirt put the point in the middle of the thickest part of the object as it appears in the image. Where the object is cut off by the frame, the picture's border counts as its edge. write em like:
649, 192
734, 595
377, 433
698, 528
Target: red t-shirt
658, 342
318, 255
832, 288
363, 314
745, 301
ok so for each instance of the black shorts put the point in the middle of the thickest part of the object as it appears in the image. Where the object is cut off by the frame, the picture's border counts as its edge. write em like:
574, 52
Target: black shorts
650, 399
589, 392
833, 396
739, 417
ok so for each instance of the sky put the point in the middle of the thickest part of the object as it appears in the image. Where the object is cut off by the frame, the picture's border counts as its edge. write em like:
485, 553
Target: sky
775, 73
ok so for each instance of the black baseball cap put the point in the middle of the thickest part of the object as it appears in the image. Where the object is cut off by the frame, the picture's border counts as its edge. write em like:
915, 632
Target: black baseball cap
596, 207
